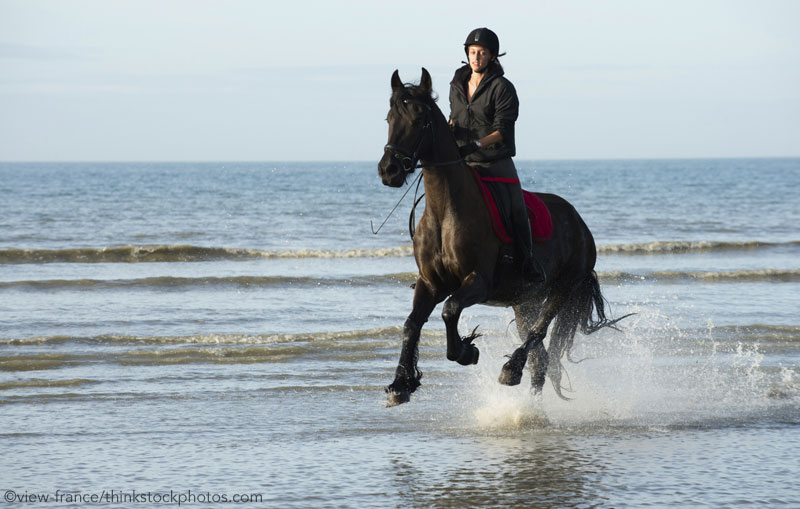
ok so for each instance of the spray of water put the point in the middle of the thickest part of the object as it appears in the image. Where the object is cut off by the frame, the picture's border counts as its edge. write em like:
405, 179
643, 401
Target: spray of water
651, 374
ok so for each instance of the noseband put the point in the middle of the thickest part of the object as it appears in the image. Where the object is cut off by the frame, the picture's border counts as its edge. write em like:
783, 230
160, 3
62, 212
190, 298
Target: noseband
408, 160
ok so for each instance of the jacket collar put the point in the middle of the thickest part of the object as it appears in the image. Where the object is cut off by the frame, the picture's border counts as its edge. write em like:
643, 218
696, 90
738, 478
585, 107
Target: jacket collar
463, 74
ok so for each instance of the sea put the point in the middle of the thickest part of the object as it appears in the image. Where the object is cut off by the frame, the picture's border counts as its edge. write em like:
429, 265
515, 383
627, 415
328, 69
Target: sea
206, 334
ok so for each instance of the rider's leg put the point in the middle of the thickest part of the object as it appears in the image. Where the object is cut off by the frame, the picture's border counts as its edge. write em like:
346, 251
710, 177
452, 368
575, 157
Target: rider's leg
519, 217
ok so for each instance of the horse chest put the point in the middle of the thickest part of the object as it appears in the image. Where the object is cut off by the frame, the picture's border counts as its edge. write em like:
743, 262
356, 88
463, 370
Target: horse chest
440, 257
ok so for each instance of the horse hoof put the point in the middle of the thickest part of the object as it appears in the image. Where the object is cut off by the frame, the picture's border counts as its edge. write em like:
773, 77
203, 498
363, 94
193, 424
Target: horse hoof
469, 355
394, 398
510, 376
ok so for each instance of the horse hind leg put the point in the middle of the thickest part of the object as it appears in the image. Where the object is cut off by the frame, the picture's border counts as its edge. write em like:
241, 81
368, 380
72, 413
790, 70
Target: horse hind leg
538, 360
511, 374
537, 356
562, 336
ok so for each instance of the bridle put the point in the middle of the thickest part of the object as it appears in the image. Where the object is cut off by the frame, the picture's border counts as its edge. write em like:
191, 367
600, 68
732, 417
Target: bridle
409, 160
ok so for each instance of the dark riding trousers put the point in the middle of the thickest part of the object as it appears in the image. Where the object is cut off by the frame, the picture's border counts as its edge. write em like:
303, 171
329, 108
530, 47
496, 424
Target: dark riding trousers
509, 197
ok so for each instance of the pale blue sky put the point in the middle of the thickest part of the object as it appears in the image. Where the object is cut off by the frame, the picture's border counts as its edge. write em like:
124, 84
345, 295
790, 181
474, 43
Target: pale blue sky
193, 80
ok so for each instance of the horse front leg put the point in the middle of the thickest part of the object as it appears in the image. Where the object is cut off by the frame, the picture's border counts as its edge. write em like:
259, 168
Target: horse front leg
407, 376
474, 289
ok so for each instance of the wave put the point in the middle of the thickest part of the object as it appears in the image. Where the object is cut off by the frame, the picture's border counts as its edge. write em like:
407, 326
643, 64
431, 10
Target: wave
735, 276
356, 346
679, 247
215, 339
211, 348
188, 253
762, 333
179, 253
401, 278
39, 383
741, 332
180, 283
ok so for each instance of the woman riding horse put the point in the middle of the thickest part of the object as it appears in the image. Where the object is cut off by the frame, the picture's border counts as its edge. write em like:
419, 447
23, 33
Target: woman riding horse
457, 253
483, 109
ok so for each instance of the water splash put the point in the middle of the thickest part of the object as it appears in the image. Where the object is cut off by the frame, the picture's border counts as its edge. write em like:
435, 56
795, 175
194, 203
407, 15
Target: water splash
651, 375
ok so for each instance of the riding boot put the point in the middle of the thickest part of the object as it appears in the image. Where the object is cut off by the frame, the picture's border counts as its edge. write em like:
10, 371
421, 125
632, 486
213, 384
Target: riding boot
531, 268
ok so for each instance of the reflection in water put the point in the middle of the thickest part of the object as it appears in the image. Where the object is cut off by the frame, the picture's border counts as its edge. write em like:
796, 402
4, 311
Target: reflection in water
503, 471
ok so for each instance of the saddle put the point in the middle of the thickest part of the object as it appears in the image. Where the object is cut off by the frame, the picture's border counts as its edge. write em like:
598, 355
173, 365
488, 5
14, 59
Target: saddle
538, 213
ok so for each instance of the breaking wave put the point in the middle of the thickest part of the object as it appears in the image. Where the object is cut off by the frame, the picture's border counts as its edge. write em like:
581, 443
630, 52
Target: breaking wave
166, 283
180, 253
212, 339
734, 276
677, 247
39, 383
182, 283
28, 354
177, 253
62, 351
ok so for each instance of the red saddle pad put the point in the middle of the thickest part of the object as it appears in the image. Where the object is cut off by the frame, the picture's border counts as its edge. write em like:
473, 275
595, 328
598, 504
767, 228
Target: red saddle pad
538, 213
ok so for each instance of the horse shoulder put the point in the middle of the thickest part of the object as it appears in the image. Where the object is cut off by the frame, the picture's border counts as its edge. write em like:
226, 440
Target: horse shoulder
428, 252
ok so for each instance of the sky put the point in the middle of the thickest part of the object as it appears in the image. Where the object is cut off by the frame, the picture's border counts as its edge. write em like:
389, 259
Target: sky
303, 80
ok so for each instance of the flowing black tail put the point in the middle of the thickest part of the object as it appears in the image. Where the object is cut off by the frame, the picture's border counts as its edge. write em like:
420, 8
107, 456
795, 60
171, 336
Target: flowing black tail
585, 308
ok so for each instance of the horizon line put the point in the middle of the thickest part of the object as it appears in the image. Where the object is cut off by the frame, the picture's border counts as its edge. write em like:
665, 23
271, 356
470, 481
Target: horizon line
359, 161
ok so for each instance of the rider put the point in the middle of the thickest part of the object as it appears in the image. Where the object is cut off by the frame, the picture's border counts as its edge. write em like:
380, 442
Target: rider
483, 109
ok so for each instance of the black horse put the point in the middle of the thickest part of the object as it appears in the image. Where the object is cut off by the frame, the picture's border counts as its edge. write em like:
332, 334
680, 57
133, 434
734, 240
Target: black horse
457, 251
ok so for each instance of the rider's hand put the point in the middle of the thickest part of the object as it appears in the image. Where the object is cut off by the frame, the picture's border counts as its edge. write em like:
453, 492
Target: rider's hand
468, 149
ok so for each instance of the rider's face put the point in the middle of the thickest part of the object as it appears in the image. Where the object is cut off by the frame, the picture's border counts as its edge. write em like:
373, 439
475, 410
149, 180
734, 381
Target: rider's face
479, 57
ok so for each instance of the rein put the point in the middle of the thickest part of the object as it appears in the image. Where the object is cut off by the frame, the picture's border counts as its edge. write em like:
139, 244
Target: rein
374, 231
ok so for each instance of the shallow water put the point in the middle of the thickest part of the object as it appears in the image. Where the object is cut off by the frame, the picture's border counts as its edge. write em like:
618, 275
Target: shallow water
204, 330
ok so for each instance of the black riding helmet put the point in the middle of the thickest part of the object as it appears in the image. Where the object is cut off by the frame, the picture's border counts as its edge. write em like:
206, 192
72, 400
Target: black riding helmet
483, 37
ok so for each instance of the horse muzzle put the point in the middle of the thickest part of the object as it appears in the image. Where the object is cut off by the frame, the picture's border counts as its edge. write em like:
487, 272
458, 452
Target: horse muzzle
391, 170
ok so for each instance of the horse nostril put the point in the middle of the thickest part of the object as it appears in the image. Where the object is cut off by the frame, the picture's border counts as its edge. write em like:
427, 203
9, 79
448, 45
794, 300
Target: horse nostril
384, 165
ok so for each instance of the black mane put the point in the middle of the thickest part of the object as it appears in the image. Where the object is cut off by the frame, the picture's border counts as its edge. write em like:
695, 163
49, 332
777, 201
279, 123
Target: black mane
412, 91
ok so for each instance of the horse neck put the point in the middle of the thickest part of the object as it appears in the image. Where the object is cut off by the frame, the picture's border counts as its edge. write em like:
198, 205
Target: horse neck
448, 187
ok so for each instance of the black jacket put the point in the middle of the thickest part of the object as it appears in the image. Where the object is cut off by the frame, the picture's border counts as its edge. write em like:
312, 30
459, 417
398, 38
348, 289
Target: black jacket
494, 107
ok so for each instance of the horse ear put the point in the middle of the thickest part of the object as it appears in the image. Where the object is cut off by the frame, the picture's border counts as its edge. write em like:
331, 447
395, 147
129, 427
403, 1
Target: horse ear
396, 81
425, 81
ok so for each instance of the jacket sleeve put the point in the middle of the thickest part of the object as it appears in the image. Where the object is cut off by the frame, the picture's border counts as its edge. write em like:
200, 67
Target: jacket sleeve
506, 110
457, 116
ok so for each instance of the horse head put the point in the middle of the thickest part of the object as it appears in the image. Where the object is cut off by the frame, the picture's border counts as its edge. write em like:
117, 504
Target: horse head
410, 121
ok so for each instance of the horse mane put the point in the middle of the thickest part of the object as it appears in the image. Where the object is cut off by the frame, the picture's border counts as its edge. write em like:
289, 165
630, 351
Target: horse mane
415, 92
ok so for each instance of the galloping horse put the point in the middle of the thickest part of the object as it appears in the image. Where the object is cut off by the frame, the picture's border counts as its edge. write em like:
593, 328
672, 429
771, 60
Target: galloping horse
457, 251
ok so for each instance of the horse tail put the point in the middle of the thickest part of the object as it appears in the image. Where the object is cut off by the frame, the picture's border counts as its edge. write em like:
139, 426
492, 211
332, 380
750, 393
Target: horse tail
585, 308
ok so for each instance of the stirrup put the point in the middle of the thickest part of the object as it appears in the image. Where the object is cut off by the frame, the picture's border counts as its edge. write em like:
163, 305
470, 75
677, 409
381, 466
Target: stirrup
506, 255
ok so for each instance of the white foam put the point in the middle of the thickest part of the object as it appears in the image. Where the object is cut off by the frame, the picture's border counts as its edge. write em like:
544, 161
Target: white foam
651, 374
